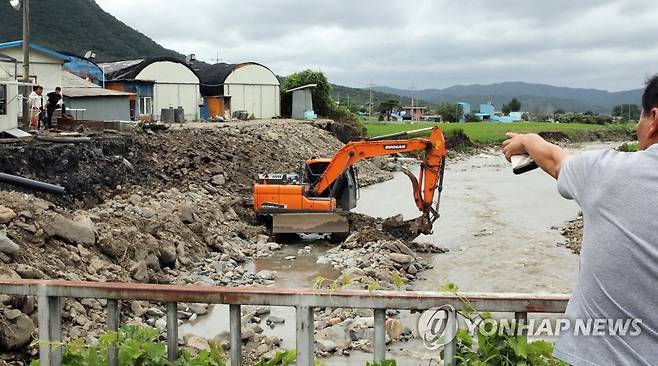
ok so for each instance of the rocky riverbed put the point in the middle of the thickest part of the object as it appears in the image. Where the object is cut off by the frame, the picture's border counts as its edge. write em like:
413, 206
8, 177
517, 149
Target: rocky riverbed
167, 208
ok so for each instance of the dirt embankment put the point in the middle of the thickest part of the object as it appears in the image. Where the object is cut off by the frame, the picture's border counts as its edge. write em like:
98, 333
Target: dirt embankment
162, 208
573, 232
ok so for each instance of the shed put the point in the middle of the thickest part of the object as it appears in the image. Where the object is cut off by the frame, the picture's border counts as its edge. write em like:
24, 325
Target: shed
45, 64
158, 83
302, 100
99, 104
251, 87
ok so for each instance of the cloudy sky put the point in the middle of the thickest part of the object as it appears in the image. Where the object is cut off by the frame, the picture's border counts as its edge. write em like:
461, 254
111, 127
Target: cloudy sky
610, 45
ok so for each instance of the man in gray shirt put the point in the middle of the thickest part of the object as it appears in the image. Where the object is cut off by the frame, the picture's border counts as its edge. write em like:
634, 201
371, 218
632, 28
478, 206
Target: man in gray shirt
617, 289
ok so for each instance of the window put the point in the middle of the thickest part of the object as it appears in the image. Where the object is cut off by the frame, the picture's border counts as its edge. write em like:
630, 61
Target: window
3, 99
145, 105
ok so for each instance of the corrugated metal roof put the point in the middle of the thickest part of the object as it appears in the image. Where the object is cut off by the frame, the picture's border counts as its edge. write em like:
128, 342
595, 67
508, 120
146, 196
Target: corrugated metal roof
307, 86
76, 87
213, 76
129, 69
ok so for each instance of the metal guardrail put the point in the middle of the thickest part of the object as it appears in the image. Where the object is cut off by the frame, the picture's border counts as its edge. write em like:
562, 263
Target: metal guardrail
50, 296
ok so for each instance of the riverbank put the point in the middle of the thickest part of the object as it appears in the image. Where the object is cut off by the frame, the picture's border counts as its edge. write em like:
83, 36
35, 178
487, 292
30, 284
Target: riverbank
485, 133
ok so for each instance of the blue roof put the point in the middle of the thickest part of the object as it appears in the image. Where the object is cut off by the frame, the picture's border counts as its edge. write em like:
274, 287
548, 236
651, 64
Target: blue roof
33, 46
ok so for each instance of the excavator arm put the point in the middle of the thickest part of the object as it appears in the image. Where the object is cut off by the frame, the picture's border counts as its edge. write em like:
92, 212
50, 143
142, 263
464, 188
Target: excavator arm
424, 186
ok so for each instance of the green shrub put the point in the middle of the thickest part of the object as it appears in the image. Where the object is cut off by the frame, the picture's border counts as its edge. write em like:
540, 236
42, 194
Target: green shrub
626, 147
136, 346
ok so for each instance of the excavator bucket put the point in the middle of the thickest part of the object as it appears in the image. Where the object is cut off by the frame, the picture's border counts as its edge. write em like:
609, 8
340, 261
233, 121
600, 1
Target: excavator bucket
308, 223
407, 230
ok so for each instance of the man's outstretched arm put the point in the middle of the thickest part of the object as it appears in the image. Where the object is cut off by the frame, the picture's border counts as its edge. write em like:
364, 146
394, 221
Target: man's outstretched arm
548, 156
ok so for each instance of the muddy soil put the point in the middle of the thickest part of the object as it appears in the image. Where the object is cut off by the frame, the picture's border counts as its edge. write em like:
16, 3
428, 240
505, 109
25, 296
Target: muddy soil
229, 155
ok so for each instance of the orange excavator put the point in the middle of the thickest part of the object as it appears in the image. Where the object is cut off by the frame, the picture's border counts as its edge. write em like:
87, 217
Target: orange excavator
319, 198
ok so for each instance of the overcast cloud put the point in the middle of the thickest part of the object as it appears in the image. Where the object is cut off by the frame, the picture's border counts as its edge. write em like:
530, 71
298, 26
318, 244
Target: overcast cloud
610, 45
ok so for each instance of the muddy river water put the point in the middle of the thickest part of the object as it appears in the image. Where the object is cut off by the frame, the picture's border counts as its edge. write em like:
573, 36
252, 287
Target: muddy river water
501, 231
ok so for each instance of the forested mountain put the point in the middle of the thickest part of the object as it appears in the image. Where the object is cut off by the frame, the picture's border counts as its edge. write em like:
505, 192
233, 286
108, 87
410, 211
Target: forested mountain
79, 26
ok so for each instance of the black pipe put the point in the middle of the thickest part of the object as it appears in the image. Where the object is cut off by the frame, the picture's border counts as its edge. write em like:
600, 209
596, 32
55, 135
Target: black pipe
29, 183
64, 139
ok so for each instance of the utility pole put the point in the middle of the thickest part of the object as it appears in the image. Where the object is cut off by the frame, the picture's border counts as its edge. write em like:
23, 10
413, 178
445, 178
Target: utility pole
26, 63
413, 112
371, 101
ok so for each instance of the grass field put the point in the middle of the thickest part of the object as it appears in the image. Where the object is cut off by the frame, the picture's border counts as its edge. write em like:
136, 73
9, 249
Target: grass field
491, 133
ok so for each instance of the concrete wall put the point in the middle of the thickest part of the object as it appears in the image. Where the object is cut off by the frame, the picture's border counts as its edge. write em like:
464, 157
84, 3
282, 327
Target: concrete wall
102, 108
175, 85
46, 69
254, 89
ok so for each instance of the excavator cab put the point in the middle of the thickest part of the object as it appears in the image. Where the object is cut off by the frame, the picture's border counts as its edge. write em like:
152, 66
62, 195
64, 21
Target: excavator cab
346, 191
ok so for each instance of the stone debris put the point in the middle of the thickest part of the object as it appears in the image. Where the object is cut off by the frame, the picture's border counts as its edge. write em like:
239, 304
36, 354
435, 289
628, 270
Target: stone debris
174, 215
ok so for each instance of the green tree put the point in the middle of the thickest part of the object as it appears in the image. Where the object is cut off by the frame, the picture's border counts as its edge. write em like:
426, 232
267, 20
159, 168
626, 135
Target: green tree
627, 111
388, 106
513, 106
449, 112
471, 117
323, 104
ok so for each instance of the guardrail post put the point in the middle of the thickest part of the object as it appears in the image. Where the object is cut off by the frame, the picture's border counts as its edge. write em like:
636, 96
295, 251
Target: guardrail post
50, 330
522, 321
380, 335
235, 318
112, 324
172, 331
450, 349
305, 343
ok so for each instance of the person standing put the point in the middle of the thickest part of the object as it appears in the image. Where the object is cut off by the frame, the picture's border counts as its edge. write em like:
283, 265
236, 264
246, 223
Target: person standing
54, 102
618, 193
36, 106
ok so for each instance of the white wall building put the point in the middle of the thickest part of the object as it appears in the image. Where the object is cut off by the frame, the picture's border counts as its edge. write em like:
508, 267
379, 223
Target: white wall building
174, 83
252, 87
46, 66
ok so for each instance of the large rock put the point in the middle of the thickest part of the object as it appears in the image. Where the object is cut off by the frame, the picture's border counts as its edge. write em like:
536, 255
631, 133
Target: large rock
168, 255
337, 334
197, 343
266, 275
394, 328
219, 180
401, 258
16, 333
7, 215
327, 345
139, 272
28, 272
186, 213
79, 231
7, 246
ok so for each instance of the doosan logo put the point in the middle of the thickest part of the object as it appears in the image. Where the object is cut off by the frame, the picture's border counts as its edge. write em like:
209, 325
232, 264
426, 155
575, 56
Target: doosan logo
395, 147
